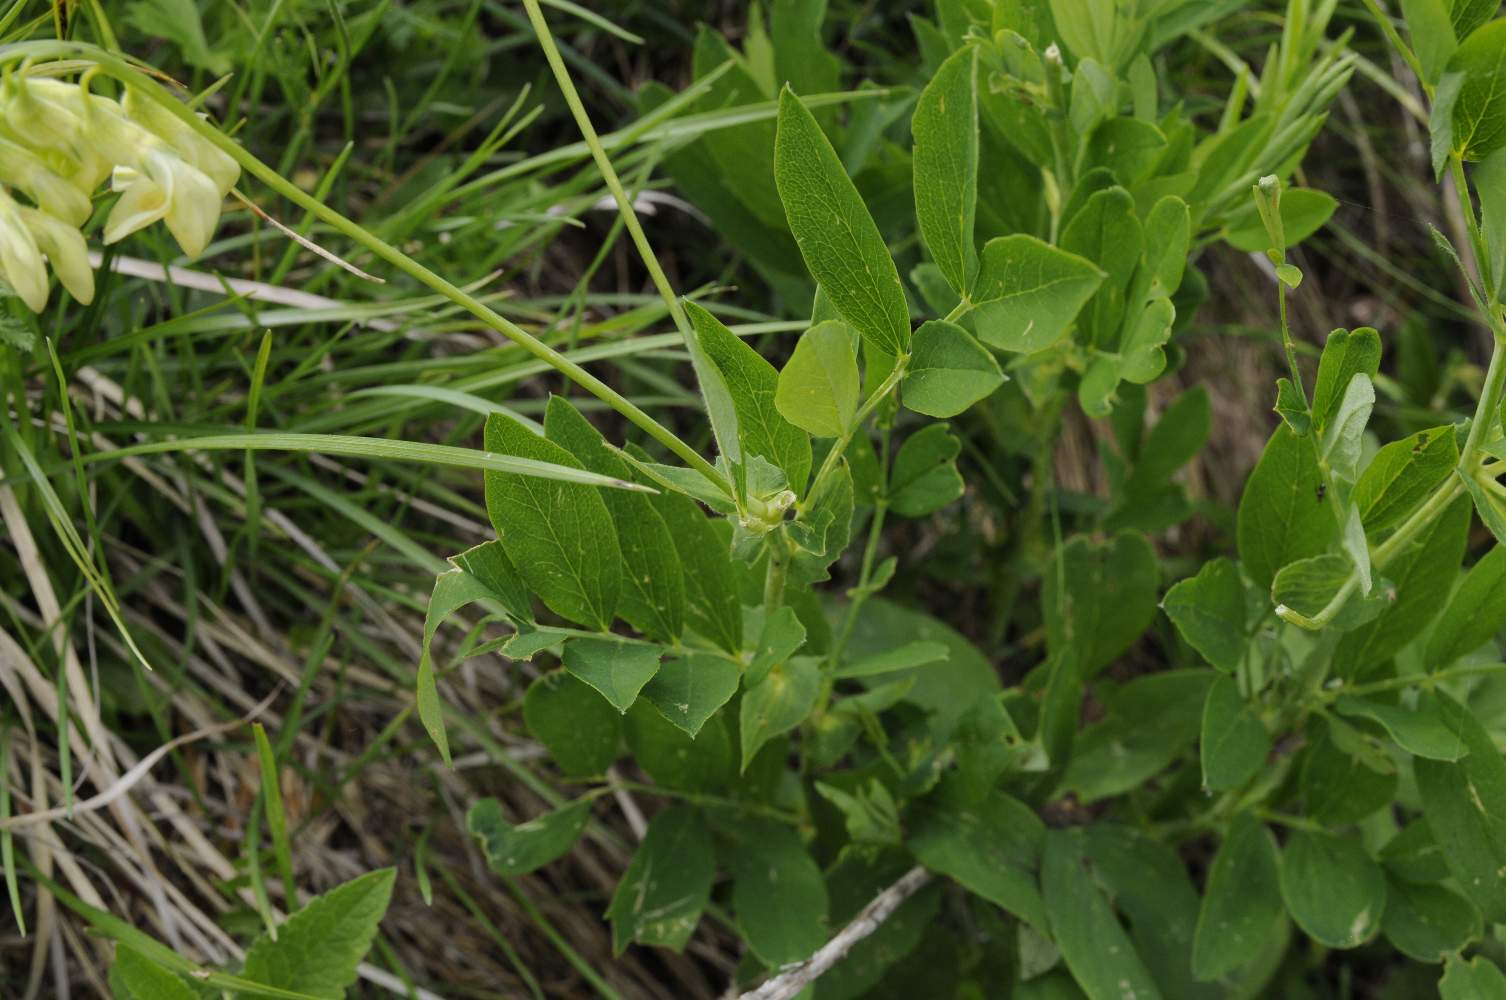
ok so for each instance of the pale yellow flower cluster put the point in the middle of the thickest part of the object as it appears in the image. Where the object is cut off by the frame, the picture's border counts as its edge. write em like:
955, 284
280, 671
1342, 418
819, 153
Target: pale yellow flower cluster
59, 143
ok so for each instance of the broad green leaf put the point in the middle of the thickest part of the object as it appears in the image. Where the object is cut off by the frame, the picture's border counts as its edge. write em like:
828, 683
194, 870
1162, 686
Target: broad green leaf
1099, 599
778, 893
800, 57
1234, 740
777, 704
852, 883
1477, 112
518, 850
143, 979
868, 811
652, 598
841, 244
1477, 979
1303, 212
616, 668
1428, 922
743, 154
1151, 721
1141, 358
1095, 947
949, 371
1490, 184
1431, 34
778, 639
819, 386
1029, 292
990, 847
482, 573
666, 885
1489, 503
1333, 889
1473, 615
1468, 15
578, 727
1241, 901
318, 948
1149, 885
1346, 353
559, 535
910, 655
1413, 855
1465, 805
1106, 232
1421, 731
1282, 514
945, 166
822, 530
1343, 436
752, 383
1403, 474
688, 688
1168, 235
675, 759
1209, 611
1345, 778
1128, 147
924, 477
1093, 96
711, 604
1418, 575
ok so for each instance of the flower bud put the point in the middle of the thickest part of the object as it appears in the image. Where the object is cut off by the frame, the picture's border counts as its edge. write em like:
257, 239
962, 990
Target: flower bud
25, 170
166, 188
66, 251
20, 259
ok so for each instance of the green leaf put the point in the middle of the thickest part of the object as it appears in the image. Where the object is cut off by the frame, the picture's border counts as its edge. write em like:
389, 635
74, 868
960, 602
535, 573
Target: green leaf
868, 811
818, 388
1346, 777
518, 850
990, 847
800, 57
1095, 947
1321, 591
482, 573
1282, 514
1241, 902
1477, 113
1332, 888
743, 154
1343, 435
1428, 922
559, 535
1303, 212
1128, 147
616, 668
1151, 721
1473, 615
688, 689
178, 21
318, 948
652, 598
1432, 34
781, 635
1106, 231
1421, 731
837, 237
576, 725
711, 603
949, 371
905, 657
1101, 597
1234, 740
666, 885
945, 166
1209, 611
752, 383
675, 759
924, 477
1140, 359
778, 893
1477, 979
1465, 805
1346, 353
1168, 235
777, 704
1029, 292
1403, 474
1489, 503
143, 979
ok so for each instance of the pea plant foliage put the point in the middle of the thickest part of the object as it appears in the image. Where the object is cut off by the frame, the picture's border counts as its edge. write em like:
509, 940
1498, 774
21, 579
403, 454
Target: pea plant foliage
1306, 762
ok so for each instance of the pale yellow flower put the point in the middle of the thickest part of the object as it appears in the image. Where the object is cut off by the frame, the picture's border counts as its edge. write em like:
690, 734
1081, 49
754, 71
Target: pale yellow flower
66, 251
20, 258
165, 187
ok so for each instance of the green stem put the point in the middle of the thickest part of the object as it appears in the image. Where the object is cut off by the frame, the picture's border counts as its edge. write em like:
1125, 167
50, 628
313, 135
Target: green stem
127, 74
1390, 32
1417, 680
774, 577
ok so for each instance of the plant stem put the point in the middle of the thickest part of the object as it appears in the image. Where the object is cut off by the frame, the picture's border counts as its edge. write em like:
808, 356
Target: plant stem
839, 446
779, 562
1416, 680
